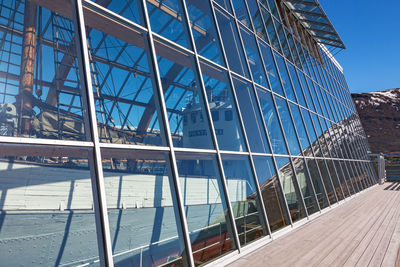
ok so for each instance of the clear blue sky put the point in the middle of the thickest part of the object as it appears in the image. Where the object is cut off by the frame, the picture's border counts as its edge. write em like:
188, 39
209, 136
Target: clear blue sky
370, 29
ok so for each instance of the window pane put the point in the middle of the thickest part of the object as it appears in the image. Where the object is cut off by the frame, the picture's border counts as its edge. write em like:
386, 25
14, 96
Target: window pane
271, 193
204, 31
297, 86
341, 178
269, 25
257, 20
311, 133
142, 208
271, 69
301, 131
285, 78
205, 207
241, 12
271, 122
220, 99
124, 94
292, 194
335, 179
46, 211
253, 58
251, 116
232, 45
346, 174
288, 126
225, 4
166, 20
317, 182
127, 8
244, 198
40, 81
183, 98
305, 185
327, 181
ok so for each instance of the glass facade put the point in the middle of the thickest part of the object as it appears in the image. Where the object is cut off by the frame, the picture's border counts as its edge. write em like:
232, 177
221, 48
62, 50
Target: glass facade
165, 133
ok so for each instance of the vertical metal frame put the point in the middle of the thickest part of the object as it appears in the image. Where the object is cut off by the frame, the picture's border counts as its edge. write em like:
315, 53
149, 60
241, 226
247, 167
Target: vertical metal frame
102, 223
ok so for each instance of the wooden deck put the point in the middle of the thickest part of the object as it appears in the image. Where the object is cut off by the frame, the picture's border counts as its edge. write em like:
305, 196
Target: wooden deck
364, 231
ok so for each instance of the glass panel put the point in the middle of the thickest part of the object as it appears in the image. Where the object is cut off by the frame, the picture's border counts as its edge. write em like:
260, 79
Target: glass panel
39, 73
327, 181
301, 131
297, 86
251, 116
187, 117
232, 44
305, 185
225, 4
204, 31
282, 39
320, 134
165, 19
244, 198
317, 182
241, 12
205, 207
314, 96
142, 208
292, 194
271, 192
126, 8
271, 122
285, 78
306, 91
311, 132
271, 69
273, 8
347, 177
220, 99
335, 179
124, 94
340, 176
269, 25
253, 58
257, 20
46, 212
288, 126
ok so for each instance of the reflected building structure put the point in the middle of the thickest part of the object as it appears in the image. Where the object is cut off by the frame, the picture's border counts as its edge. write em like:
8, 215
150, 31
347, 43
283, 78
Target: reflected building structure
169, 132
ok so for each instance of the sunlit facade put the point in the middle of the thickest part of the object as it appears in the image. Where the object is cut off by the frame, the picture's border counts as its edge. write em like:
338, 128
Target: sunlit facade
168, 132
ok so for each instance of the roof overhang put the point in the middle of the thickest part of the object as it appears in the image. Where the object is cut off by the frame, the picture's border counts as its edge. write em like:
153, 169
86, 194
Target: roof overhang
313, 18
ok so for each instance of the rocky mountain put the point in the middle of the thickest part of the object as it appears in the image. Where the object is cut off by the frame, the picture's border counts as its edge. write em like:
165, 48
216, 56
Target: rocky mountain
380, 116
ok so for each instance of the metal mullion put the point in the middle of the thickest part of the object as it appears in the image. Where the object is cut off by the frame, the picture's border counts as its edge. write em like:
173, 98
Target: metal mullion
260, 201
231, 216
149, 41
98, 187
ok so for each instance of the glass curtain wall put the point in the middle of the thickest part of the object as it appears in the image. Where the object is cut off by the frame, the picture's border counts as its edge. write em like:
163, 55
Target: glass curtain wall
164, 133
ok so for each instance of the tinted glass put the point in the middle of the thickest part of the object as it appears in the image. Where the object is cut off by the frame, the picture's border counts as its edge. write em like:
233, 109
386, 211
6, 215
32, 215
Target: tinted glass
335, 179
297, 86
127, 8
220, 100
204, 31
301, 131
327, 181
251, 116
232, 44
205, 206
271, 193
46, 212
241, 12
144, 222
271, 69
287, 84
244, 198
290, 188
317, 182
271, 121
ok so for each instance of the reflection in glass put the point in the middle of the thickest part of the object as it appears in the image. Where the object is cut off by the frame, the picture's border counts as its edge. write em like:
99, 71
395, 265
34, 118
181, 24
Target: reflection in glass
327, 181
311, 132
223, 109
271, 69
141, 208
241, 12
269, 25
305, 185
287, 84
301, 131
244, 198
204, 31
297, 86
335, 179
126, 8
166, 20
288, 127
253, 58
232, 44
292, 193
205, 206
271, 121
257, 20
271, 193
340, 175
251, 116
183, 98
340, 165
39, 73
46, 207
317, 182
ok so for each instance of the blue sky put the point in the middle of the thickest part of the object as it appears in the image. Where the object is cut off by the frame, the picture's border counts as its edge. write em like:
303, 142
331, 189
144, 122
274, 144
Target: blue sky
370, 29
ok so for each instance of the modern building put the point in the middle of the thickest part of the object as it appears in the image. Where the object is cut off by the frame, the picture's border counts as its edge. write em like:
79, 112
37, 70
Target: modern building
169, 132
